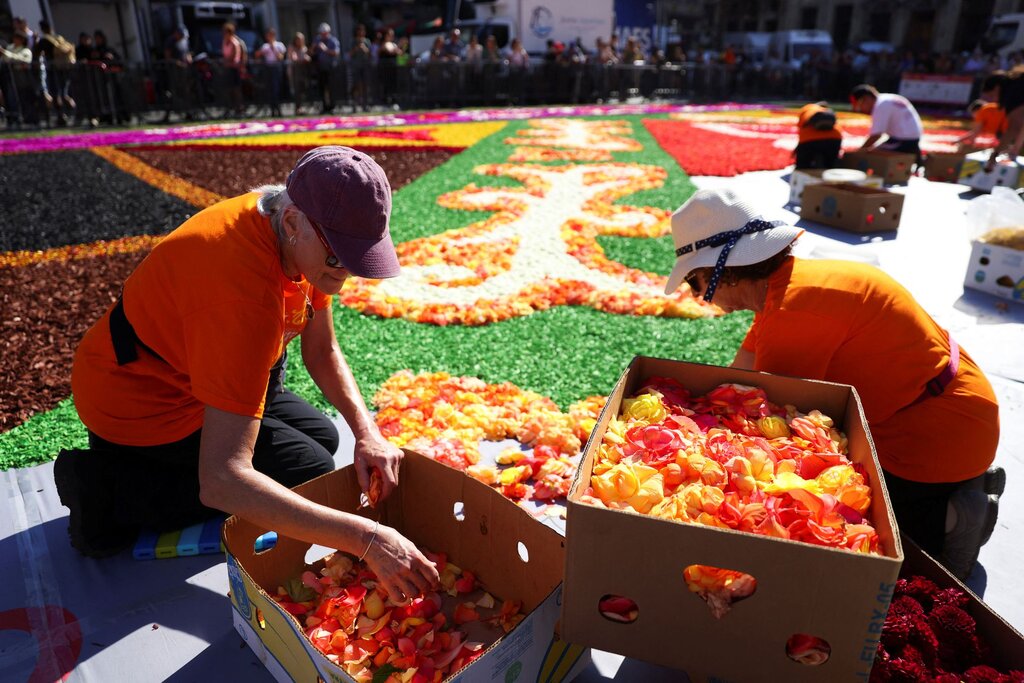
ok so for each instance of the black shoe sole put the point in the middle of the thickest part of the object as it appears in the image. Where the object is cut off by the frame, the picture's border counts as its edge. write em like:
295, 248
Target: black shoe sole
995, 481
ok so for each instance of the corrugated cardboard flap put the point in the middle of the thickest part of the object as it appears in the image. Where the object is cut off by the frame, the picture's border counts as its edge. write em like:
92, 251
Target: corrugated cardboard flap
423, 508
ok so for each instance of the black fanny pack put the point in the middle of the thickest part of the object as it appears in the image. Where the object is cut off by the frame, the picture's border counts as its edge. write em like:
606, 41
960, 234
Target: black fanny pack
127, 344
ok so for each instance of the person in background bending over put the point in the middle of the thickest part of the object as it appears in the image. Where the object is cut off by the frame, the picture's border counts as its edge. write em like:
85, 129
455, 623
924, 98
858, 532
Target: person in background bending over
891, 115
819, 137
932, 413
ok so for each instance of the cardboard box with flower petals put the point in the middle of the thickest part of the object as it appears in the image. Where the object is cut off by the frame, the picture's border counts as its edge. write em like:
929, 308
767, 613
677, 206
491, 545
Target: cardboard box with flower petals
1003, 644
439, 509
773, 608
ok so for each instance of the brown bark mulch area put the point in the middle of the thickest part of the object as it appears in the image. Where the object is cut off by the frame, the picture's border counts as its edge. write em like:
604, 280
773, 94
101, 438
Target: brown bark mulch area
47, 307
231, 172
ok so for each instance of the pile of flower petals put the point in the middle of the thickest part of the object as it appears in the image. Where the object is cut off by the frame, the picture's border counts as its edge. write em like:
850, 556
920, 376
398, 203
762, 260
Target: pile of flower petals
731, 459
348, 617
445, 418
928, 636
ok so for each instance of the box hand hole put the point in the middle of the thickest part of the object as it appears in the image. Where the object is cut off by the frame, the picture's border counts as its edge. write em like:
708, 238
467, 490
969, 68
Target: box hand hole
524, 552
808, 650
618, 608
719, 588
265, 542
459, 511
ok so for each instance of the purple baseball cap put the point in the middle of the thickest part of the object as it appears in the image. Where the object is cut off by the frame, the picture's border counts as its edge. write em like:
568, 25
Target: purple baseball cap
349, 197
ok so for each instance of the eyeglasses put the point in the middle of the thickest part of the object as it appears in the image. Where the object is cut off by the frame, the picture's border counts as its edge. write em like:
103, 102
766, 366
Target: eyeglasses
332, 261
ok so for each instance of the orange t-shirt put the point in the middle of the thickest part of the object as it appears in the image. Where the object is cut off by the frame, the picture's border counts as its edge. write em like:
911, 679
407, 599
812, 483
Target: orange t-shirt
992, 119
851, 323
807, 133
212, 301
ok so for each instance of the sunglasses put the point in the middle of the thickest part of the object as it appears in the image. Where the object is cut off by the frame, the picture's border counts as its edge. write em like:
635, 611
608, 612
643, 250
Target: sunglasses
332, 261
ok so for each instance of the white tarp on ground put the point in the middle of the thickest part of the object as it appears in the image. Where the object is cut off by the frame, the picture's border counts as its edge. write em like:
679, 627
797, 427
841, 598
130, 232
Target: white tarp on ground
125, 620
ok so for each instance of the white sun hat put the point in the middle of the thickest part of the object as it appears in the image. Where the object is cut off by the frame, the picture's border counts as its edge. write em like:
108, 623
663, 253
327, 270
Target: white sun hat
710, 221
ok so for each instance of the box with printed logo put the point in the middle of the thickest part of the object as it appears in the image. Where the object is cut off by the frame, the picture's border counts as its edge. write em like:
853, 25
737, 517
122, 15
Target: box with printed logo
802, 590
894, 168
438, 508
997, 270
852, 207
1006, 173
799, 180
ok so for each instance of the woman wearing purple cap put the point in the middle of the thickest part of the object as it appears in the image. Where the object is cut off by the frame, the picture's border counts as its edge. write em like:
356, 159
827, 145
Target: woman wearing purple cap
180, 384
932, 413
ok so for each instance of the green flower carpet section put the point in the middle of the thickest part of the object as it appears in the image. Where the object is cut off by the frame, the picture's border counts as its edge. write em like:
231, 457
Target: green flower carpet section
566, 353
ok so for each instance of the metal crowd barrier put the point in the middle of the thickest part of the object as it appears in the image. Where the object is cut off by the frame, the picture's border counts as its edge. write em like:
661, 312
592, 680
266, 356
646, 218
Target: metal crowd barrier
98, 94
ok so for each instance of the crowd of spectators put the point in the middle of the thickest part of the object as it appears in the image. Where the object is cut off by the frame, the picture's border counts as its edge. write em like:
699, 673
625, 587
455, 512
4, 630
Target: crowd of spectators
47, 81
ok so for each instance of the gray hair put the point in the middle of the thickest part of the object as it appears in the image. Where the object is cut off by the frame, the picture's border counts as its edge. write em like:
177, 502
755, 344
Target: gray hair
273, 202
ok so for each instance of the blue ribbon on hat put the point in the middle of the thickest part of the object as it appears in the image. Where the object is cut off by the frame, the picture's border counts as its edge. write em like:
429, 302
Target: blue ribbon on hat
729, 238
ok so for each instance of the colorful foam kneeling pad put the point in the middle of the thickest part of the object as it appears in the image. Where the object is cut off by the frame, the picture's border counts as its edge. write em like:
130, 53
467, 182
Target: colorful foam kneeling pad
198, 539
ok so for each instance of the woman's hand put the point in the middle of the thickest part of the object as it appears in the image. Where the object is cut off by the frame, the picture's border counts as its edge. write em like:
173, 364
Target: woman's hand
399, 565
376, 452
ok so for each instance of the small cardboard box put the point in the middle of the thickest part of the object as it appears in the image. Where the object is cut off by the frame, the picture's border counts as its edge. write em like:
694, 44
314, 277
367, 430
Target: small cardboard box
943, 167
836, 595
997, 270
1005, 174
438, 508
1006, 643
894, 167
852, 207
800, 179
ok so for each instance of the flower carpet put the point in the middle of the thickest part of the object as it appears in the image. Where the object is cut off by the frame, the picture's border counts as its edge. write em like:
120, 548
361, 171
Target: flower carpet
534, 245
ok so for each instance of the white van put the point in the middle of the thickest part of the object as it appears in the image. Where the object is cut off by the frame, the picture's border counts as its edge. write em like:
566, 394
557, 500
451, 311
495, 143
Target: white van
795, 47
1005, 35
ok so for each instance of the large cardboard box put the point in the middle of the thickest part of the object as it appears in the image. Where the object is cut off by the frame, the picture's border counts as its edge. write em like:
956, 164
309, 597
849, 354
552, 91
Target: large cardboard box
997, 270
1005, 174
437, 508
800, 179
1006, 642
852, 207
943, 167
894, 167
836, 595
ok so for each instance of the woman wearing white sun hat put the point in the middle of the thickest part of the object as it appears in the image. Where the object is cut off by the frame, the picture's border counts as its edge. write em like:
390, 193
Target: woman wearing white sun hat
932, 413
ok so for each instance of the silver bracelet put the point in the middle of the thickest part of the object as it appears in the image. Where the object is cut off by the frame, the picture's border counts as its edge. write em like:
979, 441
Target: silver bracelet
372, 538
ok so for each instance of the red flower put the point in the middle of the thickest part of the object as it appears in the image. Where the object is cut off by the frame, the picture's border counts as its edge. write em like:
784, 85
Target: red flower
654, 444
901, 670
959, 648
921, 589
952, 596
983, 674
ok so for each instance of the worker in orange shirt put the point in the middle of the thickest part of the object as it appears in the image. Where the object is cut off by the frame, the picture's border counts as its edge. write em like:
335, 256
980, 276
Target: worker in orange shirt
181, 382
989, 120
932, 413
819, 137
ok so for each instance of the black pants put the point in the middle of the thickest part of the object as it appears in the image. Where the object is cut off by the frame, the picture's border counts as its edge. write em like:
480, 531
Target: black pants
158, 486
920, 510
817, 154
905, 146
